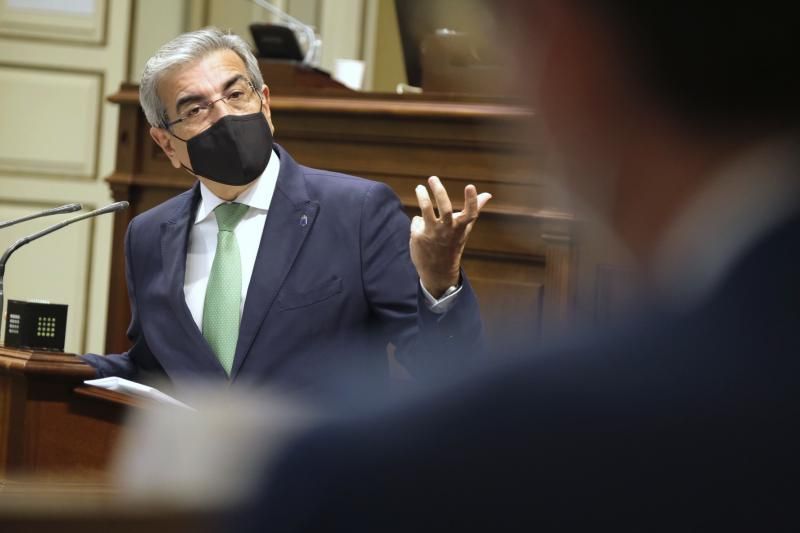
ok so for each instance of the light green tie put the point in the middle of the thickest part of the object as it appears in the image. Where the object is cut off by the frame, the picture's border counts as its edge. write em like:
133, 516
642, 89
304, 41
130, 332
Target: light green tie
224, 292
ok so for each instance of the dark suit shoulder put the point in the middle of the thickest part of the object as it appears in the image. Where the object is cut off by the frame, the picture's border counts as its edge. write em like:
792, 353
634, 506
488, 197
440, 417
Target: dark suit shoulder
323, 183
167, 211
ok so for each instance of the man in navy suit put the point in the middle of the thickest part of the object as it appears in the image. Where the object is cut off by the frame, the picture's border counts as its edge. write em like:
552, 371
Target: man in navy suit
269, 272
686, 116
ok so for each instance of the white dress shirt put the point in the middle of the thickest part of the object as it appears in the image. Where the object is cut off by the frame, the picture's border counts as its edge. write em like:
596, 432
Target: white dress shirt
203, 242
203, 237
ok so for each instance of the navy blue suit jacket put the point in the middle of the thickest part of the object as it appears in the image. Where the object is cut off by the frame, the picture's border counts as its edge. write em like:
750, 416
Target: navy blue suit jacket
679, 422
333, 277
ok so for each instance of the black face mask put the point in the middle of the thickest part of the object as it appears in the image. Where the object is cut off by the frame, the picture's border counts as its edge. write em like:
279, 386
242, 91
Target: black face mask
235, 150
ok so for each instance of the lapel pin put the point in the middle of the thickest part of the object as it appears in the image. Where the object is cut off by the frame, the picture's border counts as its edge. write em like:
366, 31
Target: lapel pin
304, 220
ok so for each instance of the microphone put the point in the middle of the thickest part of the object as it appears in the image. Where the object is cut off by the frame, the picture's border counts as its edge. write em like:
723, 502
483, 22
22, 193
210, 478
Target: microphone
69, 208
117, 206
312, 43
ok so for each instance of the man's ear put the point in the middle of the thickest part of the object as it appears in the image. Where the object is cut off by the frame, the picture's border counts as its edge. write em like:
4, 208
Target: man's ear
267, 110
162, 139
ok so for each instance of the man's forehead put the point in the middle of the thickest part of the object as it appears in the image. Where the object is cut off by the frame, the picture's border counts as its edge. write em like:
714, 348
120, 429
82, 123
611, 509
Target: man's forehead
205, 75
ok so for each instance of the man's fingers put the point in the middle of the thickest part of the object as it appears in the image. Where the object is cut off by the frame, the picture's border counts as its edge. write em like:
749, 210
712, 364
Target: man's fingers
470, 212
425, 205
473, 203
442, 200
482, 199
417, 225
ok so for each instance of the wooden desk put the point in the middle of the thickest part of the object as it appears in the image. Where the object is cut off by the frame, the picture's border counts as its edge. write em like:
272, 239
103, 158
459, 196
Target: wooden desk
520, 255
35, 506
47, 428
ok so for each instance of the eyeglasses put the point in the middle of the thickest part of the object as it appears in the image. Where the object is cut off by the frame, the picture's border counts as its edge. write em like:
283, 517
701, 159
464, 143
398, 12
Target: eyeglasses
193, 118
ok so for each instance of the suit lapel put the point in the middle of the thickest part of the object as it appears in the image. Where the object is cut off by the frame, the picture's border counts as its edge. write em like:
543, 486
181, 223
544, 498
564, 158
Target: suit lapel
289, 221
174, 245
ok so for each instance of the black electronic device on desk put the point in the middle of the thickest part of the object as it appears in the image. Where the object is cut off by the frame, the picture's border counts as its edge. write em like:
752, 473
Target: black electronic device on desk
36, 325
276, 42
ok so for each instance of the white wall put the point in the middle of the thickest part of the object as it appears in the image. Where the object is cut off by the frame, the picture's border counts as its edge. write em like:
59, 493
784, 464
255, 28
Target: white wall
59, 60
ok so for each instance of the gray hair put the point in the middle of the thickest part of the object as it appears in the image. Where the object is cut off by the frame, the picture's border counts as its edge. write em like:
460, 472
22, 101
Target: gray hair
184, 49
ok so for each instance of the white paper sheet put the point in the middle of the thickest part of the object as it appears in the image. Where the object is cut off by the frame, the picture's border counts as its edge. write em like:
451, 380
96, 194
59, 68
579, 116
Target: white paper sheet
135, 389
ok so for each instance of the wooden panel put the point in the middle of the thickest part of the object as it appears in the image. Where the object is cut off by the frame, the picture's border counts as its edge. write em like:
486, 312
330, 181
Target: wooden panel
66, 434
510, 291
46, 429
31, 141
81, 21
12, 416
44, 506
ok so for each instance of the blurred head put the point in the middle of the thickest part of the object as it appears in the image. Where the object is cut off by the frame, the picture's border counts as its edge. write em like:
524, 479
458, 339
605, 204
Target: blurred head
712, 65
626, 87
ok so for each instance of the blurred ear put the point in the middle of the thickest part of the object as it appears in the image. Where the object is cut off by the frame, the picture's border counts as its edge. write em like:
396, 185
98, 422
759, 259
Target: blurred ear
164, 140
581, 87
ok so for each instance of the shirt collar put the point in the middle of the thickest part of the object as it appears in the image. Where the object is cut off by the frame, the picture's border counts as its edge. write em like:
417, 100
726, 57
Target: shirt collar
258, 196
738, 206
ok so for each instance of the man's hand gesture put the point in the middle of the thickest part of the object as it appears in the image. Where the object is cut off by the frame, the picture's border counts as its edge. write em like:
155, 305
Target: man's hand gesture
438, 242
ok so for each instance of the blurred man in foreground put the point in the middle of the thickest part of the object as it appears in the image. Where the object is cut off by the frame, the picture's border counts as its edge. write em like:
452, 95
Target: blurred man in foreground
685, 115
